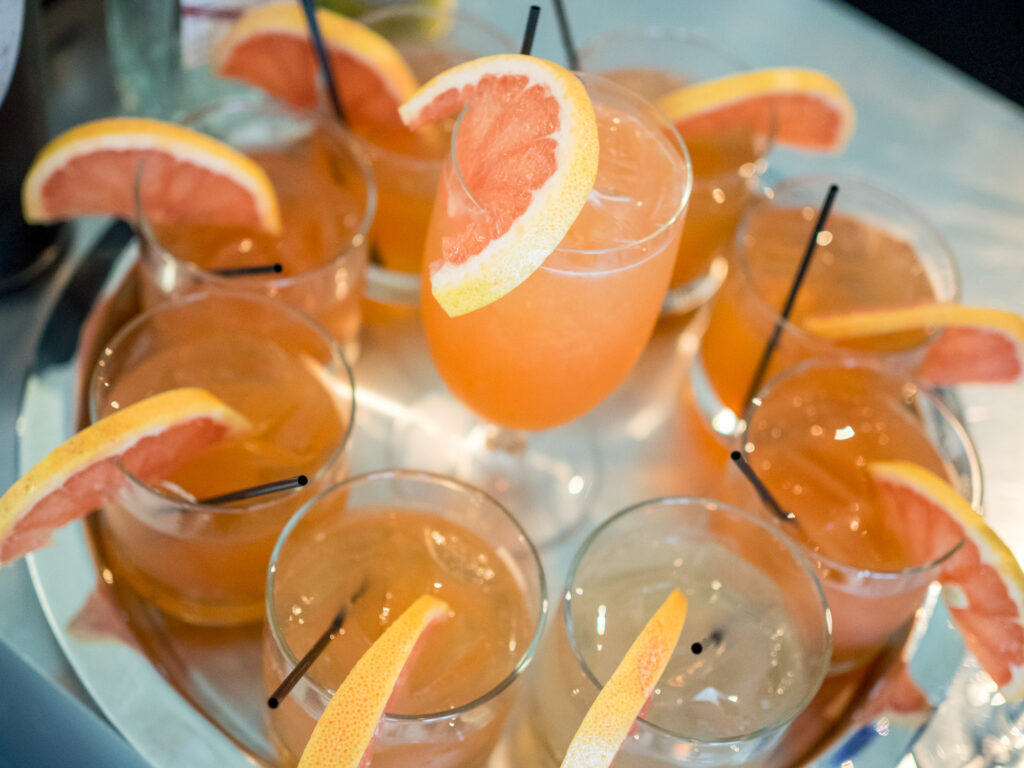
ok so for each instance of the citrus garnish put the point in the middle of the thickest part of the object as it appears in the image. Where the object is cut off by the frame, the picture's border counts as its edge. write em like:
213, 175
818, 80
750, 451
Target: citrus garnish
342, 736
977, 344
610, 718
809, 109
91, 169
149, 438
528, 149
269, 47
982, 582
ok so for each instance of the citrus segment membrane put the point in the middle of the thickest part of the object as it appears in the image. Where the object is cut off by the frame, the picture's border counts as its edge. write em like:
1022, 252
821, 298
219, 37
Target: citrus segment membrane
149, 438
526, 151
800, 107
610, 718
343, 734
269, 47
977, 344
983, 583
92, 168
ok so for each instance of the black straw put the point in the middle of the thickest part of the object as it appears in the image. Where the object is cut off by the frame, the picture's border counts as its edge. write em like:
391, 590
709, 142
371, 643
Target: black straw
260, 269
314, 653
258, 490
531, 30
761, 488
711, 641
321, 54
801, 272
563, 28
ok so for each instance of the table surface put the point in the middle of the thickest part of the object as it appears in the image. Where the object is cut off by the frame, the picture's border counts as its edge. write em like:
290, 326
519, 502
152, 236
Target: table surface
925, 130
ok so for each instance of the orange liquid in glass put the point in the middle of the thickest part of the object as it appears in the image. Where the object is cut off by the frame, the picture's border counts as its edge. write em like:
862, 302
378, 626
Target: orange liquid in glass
560, 342
398, 555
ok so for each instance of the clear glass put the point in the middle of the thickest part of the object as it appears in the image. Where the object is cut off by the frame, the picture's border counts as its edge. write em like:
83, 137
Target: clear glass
206, 563
327, 194
727, 161
559, 343
431, 39
458, 737
809, 434
754, 606
877, 252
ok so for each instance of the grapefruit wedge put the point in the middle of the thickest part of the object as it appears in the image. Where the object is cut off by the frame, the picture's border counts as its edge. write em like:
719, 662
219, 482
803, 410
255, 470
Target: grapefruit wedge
269, 47
977, 344
91, 169
809, 109
149, 438
982, 582
527, 148
610, 718
342, 736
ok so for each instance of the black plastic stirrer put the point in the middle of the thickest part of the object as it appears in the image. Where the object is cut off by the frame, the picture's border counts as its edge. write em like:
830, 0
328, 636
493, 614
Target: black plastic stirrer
787, 309
260, 269
309, 7
761, 488
531, 30
318, 647
258, 490
563, 29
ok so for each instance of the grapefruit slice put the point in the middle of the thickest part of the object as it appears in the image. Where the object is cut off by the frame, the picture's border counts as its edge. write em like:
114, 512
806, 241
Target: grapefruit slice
91, 169
809, 109
342, 736
149, 438
269, 47
610, 718
977, 345
982, 582
528, 150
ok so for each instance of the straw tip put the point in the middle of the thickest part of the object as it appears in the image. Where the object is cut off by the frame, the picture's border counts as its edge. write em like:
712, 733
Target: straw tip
273, 703
735, 455
301, 481
278, 268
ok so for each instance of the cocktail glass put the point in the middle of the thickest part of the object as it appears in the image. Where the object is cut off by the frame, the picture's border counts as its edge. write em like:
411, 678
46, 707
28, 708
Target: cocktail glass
727, 164
327, 195
407, 164
206, 563
876, 252
389, 537
559, 343
754, 648
810, 435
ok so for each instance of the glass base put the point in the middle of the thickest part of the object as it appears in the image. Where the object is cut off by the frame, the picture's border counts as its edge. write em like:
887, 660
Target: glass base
723, 422
696, 293
544, 479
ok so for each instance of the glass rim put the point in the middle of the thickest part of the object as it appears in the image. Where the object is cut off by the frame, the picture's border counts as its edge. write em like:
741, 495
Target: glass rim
670, 134
946, 414
338, 362
341, 136
431, 477
768, 196
769, 528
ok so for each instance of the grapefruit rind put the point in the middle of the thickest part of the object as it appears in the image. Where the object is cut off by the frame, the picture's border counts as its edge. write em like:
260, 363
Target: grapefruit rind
106, 439
948, 359
341, 36
126, 134
725, 93
514, 255
610, 718
344, 731
991, 549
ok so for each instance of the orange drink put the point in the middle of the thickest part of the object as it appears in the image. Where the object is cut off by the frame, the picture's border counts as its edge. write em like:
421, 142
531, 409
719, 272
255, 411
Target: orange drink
654, 61
560, 342
376, 543
810, 439
407, 164
876, 252
205, 562
327, 197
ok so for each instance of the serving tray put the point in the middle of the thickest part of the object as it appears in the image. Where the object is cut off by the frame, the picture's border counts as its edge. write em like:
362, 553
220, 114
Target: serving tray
191, 697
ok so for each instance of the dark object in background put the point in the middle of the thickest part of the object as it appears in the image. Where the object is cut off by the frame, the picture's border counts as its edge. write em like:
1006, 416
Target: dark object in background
25, 251
984, 38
